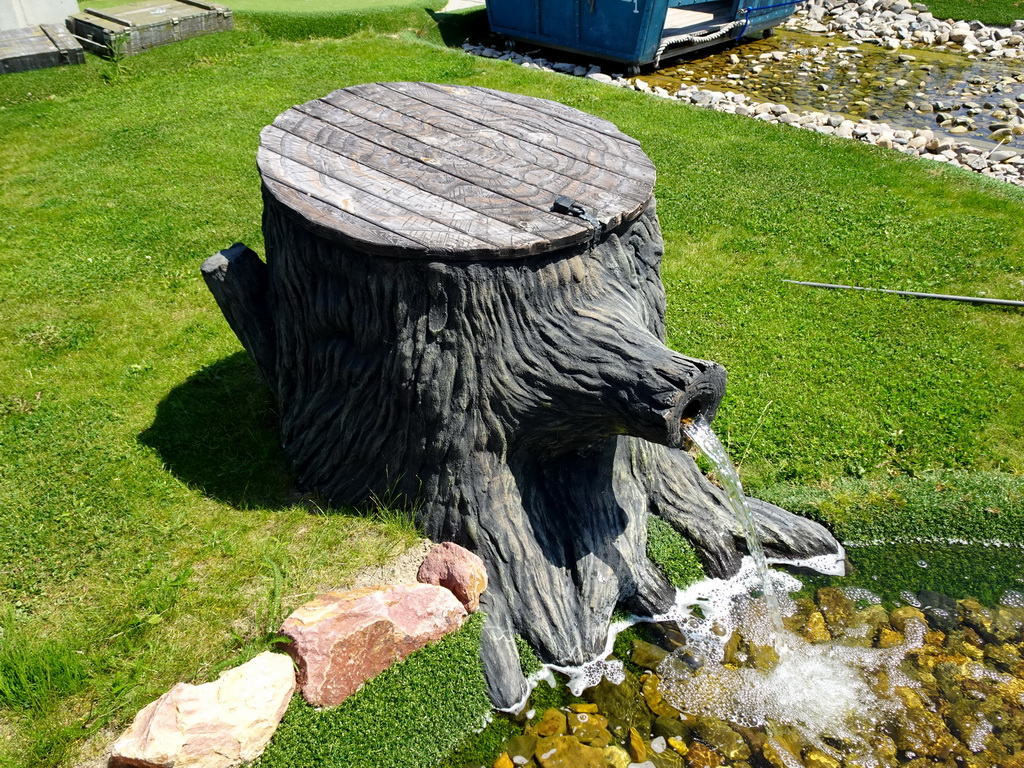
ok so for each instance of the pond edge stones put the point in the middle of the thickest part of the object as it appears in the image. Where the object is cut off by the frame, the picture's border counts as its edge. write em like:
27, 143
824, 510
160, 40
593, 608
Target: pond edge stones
339, 640
214, 725
230, 721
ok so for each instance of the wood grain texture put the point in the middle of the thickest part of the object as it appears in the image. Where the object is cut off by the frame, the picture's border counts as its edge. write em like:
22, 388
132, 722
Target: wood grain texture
39, 47
510, 384
479, 172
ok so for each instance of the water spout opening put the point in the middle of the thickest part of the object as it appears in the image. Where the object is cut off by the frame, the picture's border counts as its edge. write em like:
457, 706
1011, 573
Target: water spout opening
693, 409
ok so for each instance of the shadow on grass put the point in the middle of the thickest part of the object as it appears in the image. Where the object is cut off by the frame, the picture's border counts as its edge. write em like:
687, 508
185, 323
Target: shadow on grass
218, 432
457, 26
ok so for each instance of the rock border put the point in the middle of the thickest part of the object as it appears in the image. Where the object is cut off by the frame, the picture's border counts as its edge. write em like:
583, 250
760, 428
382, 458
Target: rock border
337, 642
896, 24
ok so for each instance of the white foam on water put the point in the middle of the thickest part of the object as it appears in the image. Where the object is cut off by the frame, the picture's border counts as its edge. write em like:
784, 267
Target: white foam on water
822, 690
981, 732
827, 565
590, 674
861, 595
1012, 599
705, 612
934, 541
910, 599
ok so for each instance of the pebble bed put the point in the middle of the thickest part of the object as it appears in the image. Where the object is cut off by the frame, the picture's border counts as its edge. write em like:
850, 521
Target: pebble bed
893, 25
941, 683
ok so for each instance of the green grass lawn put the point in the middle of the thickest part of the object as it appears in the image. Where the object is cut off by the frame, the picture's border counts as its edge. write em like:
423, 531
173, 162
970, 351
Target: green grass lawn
287, 6
148, 533
995, 12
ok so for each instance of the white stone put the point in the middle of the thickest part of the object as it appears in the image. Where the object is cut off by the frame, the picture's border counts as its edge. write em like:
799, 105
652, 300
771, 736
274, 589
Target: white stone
215, 725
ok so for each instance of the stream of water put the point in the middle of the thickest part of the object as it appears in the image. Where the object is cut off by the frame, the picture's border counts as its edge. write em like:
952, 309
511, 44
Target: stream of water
760, 670
699, 431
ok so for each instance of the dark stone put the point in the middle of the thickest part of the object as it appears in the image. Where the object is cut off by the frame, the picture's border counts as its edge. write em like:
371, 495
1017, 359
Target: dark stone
939, 610
647, 655
670, 727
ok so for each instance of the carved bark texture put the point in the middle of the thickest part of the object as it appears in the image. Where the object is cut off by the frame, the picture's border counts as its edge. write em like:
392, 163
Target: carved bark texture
528, 409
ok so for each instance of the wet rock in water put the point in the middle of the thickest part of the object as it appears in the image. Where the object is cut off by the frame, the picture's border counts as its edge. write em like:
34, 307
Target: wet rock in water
552, 723
651, 689
623, 702
725, 741
616, 757
567, 752
902, 618
836, 607
815, 631
670, 728
920, 732
635, 746
590, 729
814, 758
939, 611
677, 745
647, 655
701, 756
520, 748
875, 616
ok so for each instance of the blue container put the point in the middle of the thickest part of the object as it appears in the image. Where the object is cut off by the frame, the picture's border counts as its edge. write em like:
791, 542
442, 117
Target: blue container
635, 32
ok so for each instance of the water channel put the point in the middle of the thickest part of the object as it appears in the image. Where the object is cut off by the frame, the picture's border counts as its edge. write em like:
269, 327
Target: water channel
877, 669
909, 89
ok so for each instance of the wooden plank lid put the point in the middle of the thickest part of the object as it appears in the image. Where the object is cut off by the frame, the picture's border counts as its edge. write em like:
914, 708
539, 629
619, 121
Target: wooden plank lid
419, 170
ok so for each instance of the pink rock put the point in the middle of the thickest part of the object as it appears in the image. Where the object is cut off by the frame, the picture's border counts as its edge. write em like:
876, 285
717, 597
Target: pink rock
342, 639
457, 569
215, 725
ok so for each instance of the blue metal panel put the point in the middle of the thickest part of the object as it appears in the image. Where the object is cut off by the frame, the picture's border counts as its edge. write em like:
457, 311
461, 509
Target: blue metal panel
622, 26
616, 29
515, 17
623, 30
558, 20
762, 14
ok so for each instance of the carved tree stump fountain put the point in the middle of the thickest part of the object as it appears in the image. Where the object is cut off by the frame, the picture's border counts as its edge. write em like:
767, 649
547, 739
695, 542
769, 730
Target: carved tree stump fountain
462, 309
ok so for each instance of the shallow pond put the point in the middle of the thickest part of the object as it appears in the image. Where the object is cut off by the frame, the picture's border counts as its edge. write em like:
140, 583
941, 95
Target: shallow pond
908, 89
896, 664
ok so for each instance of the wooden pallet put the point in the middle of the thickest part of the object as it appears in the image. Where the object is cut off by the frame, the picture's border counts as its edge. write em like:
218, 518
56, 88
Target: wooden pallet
47, 45
136, 27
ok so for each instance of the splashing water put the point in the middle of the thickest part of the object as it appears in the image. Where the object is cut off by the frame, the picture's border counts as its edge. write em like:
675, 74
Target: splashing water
821, 690
700, 432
